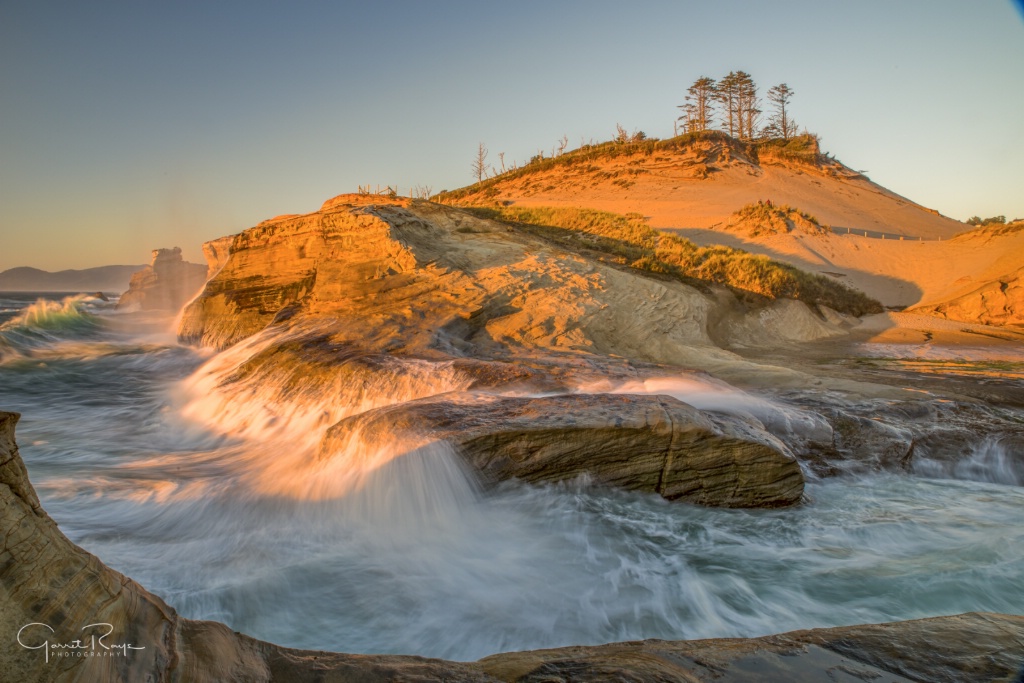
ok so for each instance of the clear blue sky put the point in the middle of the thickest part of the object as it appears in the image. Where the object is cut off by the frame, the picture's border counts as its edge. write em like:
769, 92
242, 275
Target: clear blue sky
126, 126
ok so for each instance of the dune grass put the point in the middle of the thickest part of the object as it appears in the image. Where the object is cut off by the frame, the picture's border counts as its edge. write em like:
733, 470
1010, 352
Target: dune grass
764, 219
630, 241
802, 148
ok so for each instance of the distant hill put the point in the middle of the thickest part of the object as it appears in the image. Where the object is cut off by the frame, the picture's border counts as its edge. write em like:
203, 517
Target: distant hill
113, 279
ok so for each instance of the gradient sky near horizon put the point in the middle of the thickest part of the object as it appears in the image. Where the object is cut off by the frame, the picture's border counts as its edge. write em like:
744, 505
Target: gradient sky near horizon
126, 126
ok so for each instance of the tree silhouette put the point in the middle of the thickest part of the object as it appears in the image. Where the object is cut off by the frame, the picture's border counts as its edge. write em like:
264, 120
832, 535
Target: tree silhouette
699, 109
479, 166
748, 105
727, 94
781, 124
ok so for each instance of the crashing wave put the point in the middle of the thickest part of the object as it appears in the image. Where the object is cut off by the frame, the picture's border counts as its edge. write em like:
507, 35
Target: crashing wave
45, 322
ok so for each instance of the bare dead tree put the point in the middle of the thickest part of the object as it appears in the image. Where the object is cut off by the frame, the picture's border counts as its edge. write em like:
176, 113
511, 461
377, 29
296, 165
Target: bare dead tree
479, 166
501, 158
563, 142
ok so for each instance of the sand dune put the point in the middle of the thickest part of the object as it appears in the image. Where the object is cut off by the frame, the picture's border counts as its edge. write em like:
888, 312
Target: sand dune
912, 256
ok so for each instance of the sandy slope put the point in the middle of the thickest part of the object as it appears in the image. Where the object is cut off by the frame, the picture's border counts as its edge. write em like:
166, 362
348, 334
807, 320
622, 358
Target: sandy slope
700, 187
695, 192
897, 273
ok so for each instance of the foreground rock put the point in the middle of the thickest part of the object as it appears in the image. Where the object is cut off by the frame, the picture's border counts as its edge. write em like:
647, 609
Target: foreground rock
46, 582
966, 647
167, 284
637, 442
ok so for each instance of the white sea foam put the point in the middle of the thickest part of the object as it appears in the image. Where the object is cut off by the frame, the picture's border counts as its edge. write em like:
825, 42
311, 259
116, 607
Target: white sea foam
706, 393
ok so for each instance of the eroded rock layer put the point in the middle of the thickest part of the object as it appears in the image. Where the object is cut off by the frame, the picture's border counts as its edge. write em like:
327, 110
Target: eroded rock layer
1000, 302
409, 276
638, 442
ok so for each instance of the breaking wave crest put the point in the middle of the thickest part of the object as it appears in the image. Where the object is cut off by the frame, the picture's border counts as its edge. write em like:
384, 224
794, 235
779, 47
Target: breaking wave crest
46, 322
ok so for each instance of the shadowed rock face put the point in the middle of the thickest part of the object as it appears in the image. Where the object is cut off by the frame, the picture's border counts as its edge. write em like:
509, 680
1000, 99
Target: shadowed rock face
166, 284
641, 443
46, 580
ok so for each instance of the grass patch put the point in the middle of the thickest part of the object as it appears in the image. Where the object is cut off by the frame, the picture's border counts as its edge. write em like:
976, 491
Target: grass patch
630, 241
803, 148
993, 229
765, 219
586, 155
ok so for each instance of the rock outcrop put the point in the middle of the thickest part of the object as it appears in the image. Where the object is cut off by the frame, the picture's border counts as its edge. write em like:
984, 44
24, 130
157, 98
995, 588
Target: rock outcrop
358, 293
217, 252
167, 284
966, 647
1000, 302
57, 601
413, 277
636, 442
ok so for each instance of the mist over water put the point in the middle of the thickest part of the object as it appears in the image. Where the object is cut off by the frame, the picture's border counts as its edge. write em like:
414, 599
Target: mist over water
208, 490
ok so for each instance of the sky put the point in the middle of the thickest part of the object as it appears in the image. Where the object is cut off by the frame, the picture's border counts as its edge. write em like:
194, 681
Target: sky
127, 126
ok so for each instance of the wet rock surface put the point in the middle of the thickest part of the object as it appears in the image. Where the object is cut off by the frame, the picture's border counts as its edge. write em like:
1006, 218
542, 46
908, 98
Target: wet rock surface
636, 442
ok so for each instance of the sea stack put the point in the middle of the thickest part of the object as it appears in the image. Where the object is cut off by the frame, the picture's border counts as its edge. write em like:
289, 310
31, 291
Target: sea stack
167, 284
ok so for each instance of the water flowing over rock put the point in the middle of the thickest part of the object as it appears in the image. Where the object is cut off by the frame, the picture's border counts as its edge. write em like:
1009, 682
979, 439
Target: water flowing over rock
167, 284
53, 593
642, 443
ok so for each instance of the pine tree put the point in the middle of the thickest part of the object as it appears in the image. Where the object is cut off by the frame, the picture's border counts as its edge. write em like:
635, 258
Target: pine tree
781, 123
727, 95
748, 105
700, 104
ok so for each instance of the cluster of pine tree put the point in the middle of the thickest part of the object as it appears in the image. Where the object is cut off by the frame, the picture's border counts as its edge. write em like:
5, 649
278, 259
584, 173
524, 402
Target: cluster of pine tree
733, 100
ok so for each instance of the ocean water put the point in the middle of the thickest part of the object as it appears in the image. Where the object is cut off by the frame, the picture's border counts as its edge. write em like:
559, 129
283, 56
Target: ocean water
210, 493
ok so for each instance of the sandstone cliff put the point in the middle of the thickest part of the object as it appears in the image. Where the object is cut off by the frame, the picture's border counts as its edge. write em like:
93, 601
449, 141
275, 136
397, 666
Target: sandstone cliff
412, 277
217, 252
167, 284
54, 593
1000, 302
